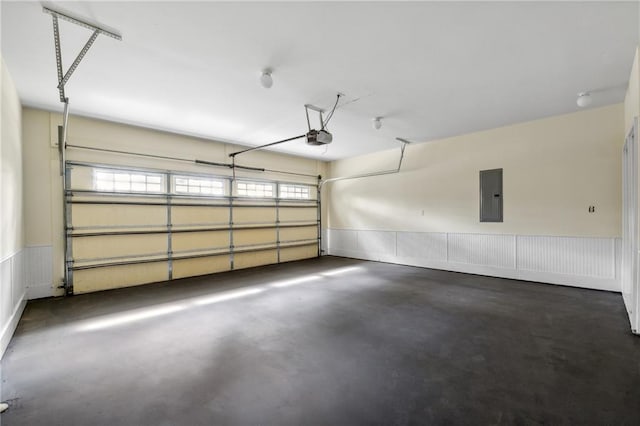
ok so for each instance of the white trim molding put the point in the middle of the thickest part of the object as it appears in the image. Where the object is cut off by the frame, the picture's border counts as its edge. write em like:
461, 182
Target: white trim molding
585, 262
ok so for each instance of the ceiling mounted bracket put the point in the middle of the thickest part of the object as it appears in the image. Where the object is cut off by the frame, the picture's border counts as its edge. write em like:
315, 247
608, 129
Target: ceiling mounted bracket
63, 78
404, 142
319, 110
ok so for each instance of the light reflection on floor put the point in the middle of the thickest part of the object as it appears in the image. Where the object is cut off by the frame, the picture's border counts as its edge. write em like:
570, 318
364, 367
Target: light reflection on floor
127, 317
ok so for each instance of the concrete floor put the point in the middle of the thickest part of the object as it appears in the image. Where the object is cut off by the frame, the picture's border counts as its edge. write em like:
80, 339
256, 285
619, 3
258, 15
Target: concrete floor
326, 341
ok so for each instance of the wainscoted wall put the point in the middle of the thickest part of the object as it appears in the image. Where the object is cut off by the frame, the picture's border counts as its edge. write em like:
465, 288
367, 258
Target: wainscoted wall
39, 276
26, 275
575, 261
12, 295
12, 241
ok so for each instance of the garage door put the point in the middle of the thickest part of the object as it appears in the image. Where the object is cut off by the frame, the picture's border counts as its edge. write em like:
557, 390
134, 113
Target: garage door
134, 226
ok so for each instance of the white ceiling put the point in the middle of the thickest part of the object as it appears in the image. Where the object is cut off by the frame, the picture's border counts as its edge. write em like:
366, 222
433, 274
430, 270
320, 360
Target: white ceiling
430, 69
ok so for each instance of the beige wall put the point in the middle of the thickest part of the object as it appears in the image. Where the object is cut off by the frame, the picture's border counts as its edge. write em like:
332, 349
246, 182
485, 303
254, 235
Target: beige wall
553, 170
38, 177
12, 271
42, 192
632, 98
43, 187
104, 134
11, 227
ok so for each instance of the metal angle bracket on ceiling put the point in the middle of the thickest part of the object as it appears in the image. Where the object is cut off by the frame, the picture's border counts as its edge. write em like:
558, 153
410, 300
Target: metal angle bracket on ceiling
404, 142
97, 30
319, 110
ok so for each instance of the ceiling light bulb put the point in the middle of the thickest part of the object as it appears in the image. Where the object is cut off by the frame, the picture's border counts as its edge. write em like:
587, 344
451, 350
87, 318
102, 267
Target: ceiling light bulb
266, 80
584, 99
377, 123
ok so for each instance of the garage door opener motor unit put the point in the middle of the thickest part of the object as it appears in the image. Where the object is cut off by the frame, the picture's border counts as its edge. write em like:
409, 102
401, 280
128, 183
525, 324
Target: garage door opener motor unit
322, 136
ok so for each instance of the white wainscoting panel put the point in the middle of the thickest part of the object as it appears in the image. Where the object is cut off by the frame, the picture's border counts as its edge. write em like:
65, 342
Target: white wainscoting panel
589, 257
12, 296
6, 285
575, 261
340, 239
18, 274
422, 245
483, 249
324, 244
377, 242
39, 273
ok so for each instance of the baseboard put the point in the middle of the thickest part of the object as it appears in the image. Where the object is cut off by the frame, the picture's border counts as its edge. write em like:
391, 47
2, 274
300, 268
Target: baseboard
12, 324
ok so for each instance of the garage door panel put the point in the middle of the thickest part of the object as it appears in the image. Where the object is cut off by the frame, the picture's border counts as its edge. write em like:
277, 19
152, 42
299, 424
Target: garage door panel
242, 237
200, 266
288, 254
189, 215
298, 214
299, 233
256, 258
111, 246
254, 215
185, 241
106, 278
105, 215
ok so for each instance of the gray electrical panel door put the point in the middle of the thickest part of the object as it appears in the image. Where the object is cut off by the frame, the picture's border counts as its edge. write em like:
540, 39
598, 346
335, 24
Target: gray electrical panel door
491, 195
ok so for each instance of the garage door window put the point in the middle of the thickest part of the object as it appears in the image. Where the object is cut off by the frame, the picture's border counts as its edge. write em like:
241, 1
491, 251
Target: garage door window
121, 181
298, 192
198, 185
255, 189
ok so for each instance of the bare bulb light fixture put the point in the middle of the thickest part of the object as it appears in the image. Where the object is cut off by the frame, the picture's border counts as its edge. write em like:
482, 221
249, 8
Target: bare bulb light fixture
377, 123
265, 79
584, 99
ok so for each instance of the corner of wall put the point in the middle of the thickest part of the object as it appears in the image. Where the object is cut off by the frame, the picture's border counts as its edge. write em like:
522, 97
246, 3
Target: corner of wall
12, 264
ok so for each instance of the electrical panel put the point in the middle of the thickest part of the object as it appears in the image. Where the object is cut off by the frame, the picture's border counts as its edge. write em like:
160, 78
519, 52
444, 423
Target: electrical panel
491, 198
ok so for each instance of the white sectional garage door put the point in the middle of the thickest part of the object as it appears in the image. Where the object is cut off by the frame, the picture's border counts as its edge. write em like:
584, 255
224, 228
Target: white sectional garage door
127, 227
